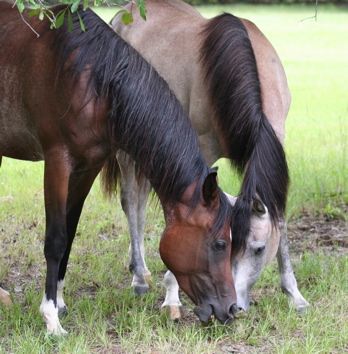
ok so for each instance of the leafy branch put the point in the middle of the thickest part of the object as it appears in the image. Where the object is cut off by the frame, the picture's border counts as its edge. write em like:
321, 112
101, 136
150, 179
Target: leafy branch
43, 9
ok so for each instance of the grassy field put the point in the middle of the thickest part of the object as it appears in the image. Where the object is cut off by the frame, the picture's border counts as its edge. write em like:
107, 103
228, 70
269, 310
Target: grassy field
105, 317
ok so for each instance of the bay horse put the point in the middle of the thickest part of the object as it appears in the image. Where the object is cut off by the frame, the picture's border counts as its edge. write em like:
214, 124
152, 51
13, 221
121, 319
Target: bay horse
231, 82
73, 99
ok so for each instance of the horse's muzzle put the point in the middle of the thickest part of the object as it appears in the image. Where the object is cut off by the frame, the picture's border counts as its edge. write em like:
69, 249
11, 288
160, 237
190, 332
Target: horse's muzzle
205, 311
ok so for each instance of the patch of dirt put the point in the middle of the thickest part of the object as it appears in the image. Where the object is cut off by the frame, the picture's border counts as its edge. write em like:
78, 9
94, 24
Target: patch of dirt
314, 233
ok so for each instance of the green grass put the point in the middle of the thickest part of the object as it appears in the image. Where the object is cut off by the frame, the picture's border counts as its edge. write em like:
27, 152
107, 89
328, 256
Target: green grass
104, 314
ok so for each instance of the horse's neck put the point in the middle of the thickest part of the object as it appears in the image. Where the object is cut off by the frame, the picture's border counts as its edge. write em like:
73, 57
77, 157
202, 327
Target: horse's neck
151, 126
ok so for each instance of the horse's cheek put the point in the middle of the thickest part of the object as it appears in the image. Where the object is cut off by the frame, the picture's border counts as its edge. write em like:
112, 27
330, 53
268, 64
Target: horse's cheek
182, 252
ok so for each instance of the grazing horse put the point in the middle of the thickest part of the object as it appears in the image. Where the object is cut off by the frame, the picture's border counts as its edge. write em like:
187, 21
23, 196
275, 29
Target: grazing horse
73, 99
261, 248
232, 84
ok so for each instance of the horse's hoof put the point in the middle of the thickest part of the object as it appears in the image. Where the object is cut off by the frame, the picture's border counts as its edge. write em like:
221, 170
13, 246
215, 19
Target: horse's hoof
58, 331
141, 289
303, 308
148, 278
62, 311
174, 313
5, 298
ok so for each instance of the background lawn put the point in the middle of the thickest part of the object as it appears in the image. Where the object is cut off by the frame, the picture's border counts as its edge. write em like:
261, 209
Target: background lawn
104, 315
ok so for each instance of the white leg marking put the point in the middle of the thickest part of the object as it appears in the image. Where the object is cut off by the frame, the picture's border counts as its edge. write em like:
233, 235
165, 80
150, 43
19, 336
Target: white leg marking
50, 315
60, 300
172, 301
289, 285
172, 290
288, 280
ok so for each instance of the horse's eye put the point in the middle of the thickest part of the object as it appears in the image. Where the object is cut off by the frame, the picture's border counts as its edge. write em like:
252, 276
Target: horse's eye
259, 250
220, 245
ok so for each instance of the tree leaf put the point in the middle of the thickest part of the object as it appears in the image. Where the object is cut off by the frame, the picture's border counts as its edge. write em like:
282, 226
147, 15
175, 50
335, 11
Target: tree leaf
60, 19
20, 6
127, 18
82, 25
75, 6
70, 22
142, 8
34, 12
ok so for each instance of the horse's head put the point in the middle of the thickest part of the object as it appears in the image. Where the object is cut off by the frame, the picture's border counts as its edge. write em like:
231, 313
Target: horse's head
261, 247
196, 247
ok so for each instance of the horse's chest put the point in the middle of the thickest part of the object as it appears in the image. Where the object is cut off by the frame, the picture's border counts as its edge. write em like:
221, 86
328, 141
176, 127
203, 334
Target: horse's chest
18, 136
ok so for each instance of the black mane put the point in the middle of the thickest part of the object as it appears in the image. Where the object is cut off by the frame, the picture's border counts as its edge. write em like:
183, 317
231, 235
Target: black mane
253, 147
145, 118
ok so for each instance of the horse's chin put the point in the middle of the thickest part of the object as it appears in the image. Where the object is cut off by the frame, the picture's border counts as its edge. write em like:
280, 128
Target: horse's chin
204, 312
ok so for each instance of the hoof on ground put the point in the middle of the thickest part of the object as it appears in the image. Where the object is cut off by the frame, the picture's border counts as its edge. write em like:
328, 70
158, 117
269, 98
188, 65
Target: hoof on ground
173, 312
303, 308
148, 278
140, 289
5, 298
62, 311
58, 331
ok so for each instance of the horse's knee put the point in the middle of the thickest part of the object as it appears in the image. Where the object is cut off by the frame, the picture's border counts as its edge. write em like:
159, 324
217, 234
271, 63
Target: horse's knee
55, 245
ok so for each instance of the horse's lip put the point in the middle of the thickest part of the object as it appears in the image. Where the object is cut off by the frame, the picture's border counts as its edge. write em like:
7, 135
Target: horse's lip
204, 312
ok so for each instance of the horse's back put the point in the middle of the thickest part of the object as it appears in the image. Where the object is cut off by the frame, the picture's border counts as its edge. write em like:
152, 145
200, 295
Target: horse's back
275, 92
166, 42
18, 136
41, 110
170, 40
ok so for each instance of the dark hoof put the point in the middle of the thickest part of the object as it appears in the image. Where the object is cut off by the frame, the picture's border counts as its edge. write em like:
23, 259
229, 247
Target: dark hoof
62, 311
141, 289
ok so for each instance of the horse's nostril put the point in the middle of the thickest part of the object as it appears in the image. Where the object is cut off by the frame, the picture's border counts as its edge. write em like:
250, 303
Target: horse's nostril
236, 312
233, 309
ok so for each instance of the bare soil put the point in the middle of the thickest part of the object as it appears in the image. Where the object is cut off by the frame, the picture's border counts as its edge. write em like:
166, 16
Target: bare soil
319, 233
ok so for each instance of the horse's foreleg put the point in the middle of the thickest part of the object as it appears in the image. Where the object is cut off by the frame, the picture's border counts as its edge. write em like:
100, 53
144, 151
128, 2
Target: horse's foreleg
79, 187
172, 301
288, 280
144, 190
130, 197
56, 180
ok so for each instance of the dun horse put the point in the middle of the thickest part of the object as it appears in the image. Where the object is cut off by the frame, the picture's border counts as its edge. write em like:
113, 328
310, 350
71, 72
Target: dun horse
232, 84
73, 99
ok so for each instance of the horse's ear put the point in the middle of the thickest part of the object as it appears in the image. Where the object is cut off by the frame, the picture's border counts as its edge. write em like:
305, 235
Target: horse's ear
258, 207
210, 187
